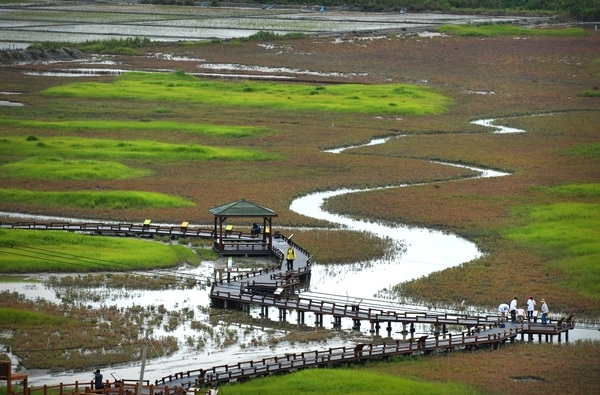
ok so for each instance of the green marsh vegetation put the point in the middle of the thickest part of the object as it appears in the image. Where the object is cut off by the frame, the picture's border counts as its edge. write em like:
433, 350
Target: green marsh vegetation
50, 251
496, 29
387, 99
567, 235
53, 168
143, 124
345, 381
115, 200
91, 148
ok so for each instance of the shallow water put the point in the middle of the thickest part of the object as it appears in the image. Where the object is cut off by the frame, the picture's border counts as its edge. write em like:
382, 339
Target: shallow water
59, 22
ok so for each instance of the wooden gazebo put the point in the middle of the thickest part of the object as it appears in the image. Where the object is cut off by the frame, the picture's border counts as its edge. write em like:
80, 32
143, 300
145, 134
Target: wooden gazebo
229, 241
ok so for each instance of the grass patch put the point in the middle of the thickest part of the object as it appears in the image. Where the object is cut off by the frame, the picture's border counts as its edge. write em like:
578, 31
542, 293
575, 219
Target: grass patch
180, 87
568, 235
490, 30
105, 149
41, 168
592, 93
345, 381
25, 251
95, 199
11, 318
592, 150
145, 125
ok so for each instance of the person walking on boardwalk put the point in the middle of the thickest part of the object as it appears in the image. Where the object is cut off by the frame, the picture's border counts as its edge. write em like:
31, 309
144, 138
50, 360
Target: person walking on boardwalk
513, 310
503, 309
544, 310
290, 256
530, 308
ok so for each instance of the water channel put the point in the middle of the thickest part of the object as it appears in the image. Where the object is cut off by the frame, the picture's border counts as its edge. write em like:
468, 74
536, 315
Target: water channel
423, 251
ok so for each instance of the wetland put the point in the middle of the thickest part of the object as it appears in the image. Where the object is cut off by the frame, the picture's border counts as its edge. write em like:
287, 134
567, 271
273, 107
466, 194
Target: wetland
531, 83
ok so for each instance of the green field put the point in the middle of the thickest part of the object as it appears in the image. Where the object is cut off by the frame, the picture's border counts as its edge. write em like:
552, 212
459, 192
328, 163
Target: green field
94, 199
567, 235
141, 125
491, 30
90, 148
345, 381
387, 99
26, 251
52, 168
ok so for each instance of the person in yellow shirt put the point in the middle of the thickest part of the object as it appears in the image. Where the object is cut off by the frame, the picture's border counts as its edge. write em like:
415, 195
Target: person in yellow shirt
290, 256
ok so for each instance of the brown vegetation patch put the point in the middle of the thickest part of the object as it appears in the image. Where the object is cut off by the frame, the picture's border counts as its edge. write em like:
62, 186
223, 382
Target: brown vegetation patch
569, 368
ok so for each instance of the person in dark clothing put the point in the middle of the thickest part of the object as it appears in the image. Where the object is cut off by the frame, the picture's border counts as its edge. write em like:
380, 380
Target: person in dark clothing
98, 383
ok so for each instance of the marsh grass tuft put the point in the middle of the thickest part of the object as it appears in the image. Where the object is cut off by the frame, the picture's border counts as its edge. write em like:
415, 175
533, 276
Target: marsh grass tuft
50, 168
95, 199
568, 235
90, 148
143, 124
490, 30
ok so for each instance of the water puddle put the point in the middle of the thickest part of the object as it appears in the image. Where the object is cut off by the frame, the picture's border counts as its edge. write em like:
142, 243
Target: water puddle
7, 103
262, 69
90, 72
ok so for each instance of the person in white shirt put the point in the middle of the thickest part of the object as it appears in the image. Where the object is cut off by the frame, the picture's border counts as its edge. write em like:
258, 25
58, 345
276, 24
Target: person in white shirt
503, 309
530, 308
513, 310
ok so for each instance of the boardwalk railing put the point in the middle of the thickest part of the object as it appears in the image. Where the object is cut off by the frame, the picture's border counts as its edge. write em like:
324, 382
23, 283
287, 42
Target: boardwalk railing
277, 364
123, 387
113, 228
355, 311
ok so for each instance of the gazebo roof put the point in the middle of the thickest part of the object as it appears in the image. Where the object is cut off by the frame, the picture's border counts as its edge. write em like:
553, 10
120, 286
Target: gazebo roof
242, 208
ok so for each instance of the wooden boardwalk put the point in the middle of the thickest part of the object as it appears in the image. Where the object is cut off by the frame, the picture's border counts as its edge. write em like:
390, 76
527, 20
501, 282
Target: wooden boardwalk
339, 355
275, 287
234, 242
493, 338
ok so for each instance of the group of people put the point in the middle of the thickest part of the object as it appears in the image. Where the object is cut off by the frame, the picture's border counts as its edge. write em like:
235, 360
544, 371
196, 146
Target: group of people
518, 314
